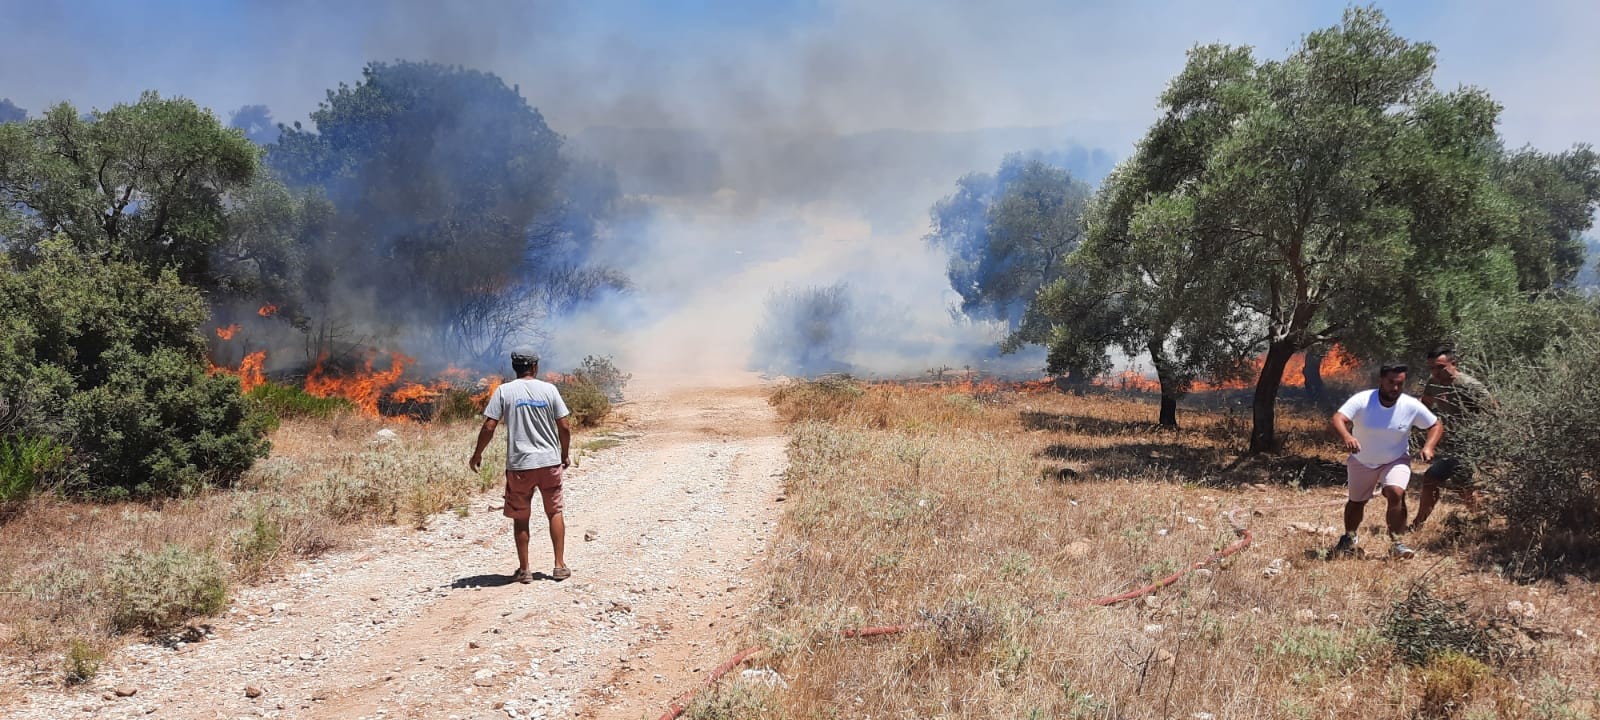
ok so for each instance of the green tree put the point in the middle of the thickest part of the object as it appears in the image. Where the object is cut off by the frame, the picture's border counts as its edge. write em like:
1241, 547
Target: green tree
1009, 234
1555, 196
1339, 195
146, 183
457, 211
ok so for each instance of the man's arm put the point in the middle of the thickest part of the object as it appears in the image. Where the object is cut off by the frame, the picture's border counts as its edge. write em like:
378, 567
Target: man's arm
1341, 427
485, 434
565, 431
1434, 433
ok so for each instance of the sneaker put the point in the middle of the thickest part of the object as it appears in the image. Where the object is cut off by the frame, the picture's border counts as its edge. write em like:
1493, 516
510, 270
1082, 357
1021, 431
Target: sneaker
560, 573
1347, 544
1402, 551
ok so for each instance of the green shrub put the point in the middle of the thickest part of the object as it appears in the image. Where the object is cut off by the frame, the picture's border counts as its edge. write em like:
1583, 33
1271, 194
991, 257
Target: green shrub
585, 400
161, 426
25, 463
1422, 627
108, 353
600, 370
82, 661
457, 405
1539, 442
158, 592
289, 401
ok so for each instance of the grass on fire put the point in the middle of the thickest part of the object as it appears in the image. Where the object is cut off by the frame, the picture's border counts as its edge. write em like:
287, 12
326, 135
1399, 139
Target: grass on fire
77, 578
991, 520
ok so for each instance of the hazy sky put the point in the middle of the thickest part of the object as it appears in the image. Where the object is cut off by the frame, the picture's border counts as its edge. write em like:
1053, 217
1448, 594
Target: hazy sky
847, 66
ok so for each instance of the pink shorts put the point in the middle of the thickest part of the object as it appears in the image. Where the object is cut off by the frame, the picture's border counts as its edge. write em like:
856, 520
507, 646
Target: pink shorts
1365, 481
519, 491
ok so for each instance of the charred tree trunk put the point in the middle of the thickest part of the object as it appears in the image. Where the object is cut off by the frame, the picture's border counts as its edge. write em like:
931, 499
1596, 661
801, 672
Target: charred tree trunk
1169, 385
1313, 372
1264, 407
1074, 382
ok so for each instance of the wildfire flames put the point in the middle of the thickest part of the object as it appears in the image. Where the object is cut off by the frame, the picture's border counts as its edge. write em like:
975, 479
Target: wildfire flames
367, 388
226, 333
267, 310
1336, 364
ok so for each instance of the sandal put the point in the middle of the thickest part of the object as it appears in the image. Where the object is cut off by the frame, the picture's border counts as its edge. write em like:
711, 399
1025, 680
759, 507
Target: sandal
560, 573
522, 576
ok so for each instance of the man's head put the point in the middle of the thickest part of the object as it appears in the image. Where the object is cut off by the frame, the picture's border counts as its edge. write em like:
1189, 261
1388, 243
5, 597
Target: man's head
1391, 381
525, 362
1442, 364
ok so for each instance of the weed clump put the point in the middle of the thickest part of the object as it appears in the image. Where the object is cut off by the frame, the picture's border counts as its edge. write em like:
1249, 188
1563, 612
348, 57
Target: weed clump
288, 401
158, 592
24, 464
586, 401
1422, 627
82, 661
822, 400
963, 627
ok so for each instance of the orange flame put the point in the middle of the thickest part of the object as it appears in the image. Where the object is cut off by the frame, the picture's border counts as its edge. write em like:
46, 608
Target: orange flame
267, 310
1337, 363
251, 375
226, 333
364, 388
486, 388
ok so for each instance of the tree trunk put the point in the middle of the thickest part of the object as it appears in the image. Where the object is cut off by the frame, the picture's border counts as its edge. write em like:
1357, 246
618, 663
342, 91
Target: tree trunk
1264, 408
1074, 382
1169, 384
1313, 371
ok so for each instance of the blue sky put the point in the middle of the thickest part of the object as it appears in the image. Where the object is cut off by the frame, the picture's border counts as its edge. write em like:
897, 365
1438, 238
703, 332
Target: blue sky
1094, 67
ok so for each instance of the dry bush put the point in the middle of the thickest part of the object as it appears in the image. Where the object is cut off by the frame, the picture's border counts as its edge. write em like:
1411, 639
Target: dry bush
904, 505
158, 592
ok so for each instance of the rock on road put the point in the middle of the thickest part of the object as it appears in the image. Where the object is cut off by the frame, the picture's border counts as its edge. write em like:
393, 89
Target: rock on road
421, 624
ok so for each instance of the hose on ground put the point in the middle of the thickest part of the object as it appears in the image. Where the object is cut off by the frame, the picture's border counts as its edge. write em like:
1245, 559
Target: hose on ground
681, 703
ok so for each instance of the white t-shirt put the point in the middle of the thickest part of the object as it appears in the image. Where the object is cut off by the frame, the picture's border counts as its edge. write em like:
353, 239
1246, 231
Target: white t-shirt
529, 409
1384, 432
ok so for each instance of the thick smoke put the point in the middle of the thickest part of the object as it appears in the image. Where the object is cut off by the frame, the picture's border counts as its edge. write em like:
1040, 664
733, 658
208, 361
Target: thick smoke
760, 146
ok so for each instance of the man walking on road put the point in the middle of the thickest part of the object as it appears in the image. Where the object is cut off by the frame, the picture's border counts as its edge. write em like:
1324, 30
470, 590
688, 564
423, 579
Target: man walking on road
1375, 426
537, 442
1455, 397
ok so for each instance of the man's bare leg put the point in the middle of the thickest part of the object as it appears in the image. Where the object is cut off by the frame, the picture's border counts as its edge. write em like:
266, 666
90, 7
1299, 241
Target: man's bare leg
1353, 512
558, 541
1397, 510
1430, 497
519, 530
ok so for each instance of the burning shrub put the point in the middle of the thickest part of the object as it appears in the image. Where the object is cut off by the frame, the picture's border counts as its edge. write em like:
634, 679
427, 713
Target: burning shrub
806, 332
586, 401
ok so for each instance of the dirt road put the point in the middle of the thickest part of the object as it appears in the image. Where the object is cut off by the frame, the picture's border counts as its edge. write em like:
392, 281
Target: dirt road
422, 624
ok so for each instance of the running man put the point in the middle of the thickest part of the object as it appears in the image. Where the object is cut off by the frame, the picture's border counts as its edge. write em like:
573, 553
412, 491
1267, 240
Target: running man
1455, 397
1376, 427
537, 442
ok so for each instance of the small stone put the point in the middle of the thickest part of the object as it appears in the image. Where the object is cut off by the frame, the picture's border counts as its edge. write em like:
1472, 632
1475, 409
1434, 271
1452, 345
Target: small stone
473, 644
280, 607
1306, 615
590, 535
1275, 568
252, 691
126, 691
764, 676
108, 695
1153, 629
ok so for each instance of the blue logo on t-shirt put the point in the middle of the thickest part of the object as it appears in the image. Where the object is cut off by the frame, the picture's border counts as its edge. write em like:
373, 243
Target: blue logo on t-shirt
533, 403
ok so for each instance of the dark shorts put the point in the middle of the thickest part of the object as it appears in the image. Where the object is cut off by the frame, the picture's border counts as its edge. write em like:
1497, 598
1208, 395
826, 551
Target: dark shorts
520, 485
1448, 472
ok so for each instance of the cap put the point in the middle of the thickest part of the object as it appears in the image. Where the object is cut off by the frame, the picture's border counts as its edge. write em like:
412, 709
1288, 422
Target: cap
1393, 366
524, 355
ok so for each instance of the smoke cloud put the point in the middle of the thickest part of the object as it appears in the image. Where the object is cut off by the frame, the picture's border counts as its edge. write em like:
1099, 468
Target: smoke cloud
791, 144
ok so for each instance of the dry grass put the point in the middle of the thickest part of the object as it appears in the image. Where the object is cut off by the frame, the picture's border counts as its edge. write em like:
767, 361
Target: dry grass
326, 481
991, 519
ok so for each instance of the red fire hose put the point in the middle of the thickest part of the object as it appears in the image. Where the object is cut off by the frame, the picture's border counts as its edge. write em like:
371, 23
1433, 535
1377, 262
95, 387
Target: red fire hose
681, 703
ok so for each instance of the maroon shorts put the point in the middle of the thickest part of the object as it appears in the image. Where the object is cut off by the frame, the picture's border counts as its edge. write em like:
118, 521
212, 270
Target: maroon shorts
519, 491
